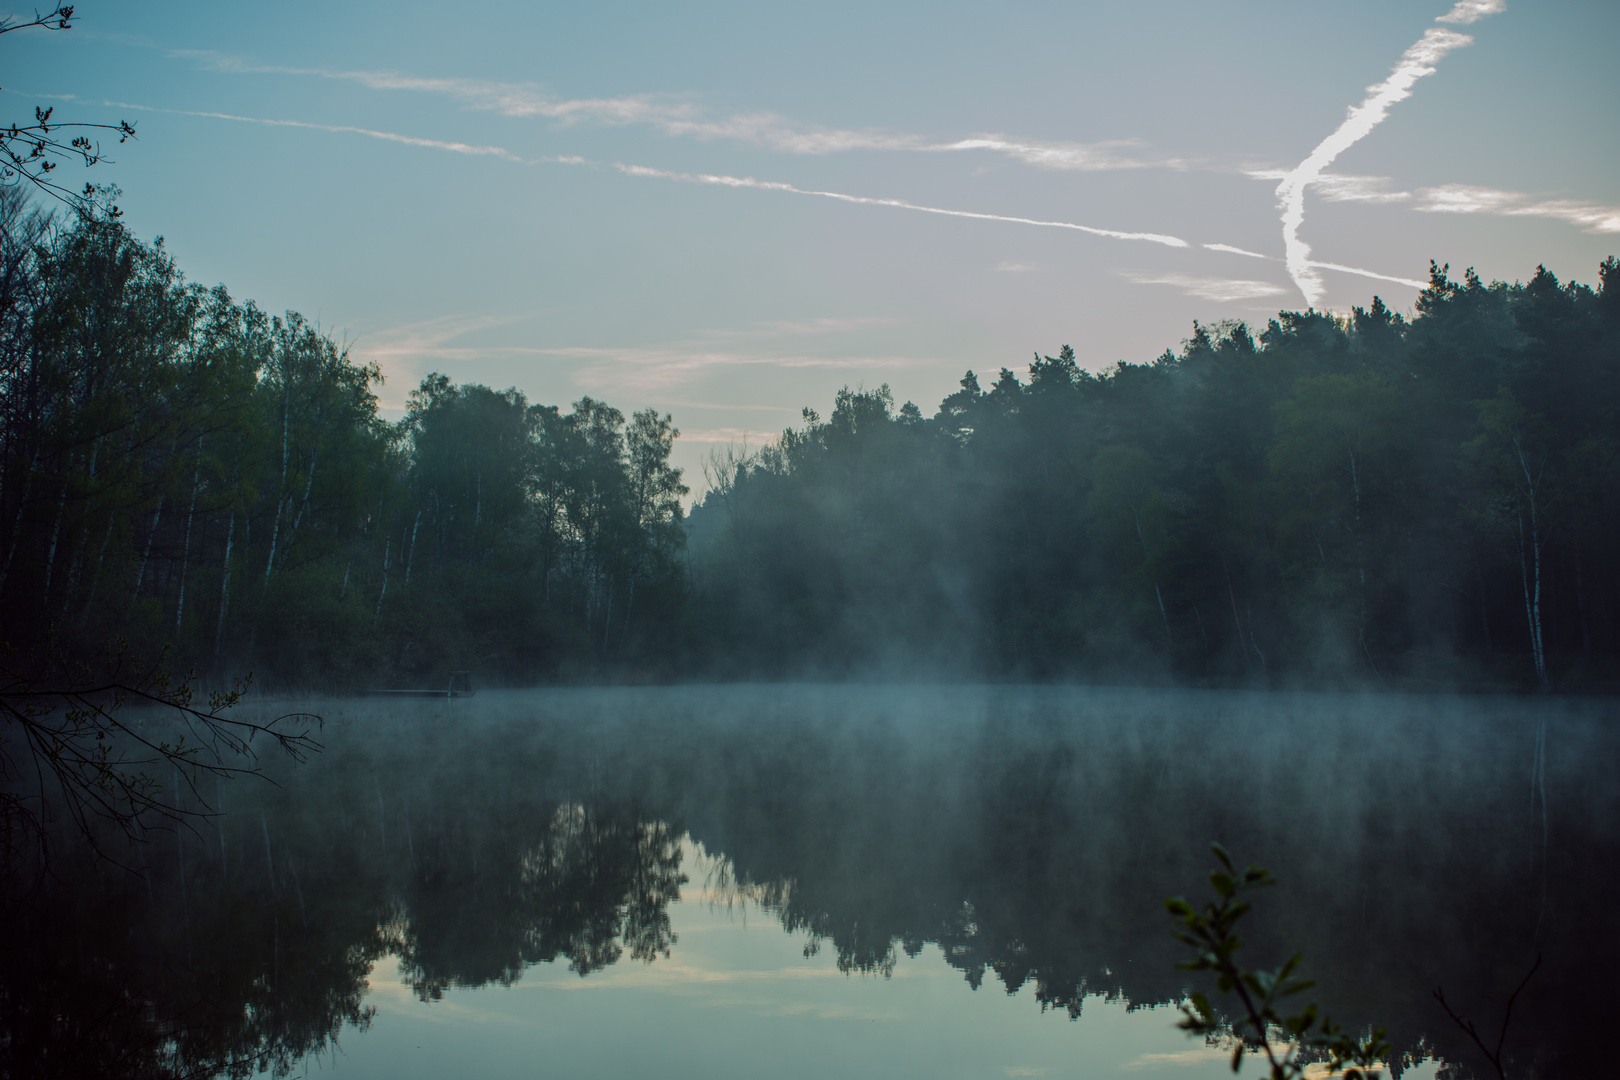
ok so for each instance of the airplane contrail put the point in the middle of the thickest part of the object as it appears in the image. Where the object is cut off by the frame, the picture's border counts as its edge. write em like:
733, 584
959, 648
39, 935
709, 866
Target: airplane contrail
1156, 238
473, 149
485, 150
901, 204
1375, 275
642, 170
1416, 62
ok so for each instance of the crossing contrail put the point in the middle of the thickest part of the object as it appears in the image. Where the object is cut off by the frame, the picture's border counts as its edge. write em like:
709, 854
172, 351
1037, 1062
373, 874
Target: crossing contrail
722, 180
1416, 62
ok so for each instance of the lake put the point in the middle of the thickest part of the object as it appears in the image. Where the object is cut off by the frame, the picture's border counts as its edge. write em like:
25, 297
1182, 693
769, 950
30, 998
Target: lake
811, 881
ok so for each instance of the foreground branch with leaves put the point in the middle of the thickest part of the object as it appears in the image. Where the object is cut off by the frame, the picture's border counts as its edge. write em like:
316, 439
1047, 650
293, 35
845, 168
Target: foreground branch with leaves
97, 744
29, 153
1289, 1043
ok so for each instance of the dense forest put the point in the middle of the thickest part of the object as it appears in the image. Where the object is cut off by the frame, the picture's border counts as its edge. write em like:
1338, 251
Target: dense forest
181, 468
1367, 499
1362, 499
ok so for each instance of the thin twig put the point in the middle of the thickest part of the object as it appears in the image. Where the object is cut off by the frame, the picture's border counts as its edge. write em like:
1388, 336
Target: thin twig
1495, 1058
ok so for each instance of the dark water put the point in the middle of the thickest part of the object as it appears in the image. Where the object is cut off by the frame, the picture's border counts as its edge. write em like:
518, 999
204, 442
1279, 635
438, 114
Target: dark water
853, 881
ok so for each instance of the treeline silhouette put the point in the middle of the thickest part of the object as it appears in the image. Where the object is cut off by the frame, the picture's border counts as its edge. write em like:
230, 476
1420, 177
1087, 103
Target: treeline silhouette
179, 467
1366, 499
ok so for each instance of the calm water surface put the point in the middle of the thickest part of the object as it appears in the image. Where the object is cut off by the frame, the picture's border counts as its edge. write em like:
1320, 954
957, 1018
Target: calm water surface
852, 881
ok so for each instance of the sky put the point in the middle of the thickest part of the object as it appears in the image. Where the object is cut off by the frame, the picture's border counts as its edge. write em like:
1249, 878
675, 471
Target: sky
727, 211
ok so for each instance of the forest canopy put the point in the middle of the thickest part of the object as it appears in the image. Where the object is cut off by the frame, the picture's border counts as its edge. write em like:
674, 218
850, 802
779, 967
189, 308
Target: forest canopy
1362, 499
1367, 498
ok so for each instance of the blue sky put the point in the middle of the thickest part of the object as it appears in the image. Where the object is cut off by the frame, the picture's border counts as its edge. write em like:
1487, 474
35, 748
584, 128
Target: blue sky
552, 196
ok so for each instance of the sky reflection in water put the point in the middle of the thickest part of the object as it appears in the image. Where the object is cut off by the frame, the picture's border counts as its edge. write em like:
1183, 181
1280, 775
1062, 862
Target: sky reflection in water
738, 997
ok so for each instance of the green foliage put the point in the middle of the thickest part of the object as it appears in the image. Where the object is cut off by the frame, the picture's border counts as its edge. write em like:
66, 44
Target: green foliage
1326, 502
1288, 1042
1366, 499
183, 469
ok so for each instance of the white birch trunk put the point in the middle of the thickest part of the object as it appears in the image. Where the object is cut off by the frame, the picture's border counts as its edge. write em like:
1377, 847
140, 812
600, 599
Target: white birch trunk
281, 489
1532, 577
275, 534
292, 530
56, 532
410, 556
225, 585
387, 548
1237, 621
146, 551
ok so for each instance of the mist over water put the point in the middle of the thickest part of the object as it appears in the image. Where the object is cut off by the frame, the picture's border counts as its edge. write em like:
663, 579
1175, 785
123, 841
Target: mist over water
940, 846
734, 456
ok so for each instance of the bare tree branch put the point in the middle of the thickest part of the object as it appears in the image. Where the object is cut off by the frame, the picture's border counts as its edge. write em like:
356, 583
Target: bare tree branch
97, 762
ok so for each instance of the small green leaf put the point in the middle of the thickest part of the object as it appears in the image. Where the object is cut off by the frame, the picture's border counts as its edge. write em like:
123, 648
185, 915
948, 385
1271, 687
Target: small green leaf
1296, 986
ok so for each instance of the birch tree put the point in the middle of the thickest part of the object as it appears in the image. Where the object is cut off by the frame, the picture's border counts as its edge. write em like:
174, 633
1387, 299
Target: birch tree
1512, 457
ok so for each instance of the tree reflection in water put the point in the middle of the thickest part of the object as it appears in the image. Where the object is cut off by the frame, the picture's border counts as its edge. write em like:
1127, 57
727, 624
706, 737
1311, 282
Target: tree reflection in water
1031, 835
247, 947
593, 886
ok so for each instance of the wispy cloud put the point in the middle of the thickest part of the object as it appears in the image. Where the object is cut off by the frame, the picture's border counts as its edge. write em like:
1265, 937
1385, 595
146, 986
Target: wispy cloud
1068, 156
1341, 187
1200, 1056
802, 327
404, 352
900, 204
658, 368
1459, 199
1014, 267
1463, 199
1415, 63
1221, 290
679, 117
